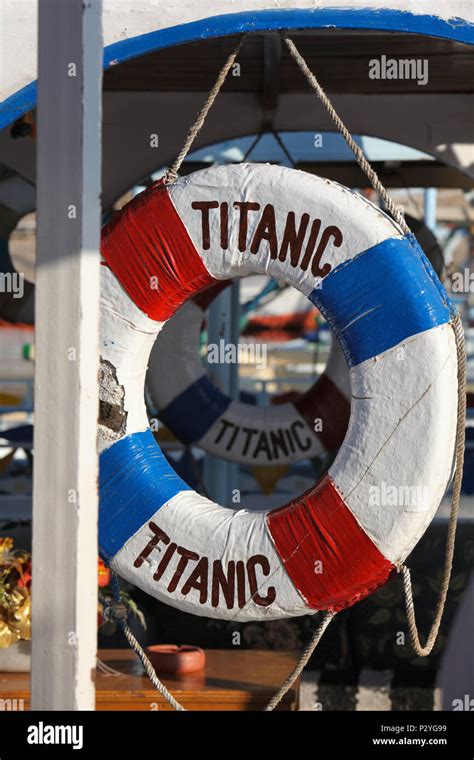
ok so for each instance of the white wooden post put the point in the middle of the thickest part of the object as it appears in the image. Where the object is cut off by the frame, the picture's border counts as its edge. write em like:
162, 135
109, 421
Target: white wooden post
66, 386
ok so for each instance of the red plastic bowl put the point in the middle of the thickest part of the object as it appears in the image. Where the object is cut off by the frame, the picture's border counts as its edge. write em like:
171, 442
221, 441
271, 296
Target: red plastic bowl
170, 658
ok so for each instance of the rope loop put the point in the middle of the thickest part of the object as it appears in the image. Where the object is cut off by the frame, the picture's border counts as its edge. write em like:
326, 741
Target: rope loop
420, 649
114, 612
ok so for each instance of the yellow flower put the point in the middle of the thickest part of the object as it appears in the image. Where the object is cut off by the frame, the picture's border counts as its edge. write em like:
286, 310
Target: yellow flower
19, 619
8, 637
6, 545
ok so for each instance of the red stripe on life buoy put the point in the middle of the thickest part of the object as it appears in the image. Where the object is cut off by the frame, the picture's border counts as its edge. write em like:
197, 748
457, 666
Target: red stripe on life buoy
324, 403
331, 561
149, 250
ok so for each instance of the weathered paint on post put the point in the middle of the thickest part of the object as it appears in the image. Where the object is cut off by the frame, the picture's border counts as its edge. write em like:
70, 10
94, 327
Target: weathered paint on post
66, 387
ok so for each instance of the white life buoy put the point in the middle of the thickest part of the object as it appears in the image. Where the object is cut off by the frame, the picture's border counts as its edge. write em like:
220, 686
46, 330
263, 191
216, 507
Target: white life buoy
340, 540
312, 425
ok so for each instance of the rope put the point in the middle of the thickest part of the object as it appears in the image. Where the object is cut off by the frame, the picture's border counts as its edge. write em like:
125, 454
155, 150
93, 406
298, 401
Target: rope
394, 210
150, 670
424, 650
118, 611
303, 661
194, 130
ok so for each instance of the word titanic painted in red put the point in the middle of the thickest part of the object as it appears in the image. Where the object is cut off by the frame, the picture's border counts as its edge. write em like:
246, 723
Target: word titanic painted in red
305, 242
235, 585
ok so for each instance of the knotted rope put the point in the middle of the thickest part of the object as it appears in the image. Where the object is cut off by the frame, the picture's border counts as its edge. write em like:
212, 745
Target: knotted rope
117, 611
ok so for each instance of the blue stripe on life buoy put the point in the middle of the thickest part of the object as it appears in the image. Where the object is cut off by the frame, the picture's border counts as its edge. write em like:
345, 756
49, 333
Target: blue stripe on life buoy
135, 480
194, 411
368, 315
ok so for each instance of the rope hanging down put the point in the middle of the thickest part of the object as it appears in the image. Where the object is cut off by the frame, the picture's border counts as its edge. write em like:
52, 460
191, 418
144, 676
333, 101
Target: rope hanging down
364, 164
117, 611
194, 130
423, 651
302, 662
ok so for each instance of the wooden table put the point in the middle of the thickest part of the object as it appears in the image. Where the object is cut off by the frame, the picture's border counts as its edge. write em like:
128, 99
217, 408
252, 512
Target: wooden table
232, 680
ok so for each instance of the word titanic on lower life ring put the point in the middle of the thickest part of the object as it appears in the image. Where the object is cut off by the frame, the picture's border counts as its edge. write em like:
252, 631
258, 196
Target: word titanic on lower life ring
208, 577
293, 239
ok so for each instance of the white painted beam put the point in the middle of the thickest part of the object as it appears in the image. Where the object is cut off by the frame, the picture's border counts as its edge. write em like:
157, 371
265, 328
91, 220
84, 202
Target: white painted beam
66, 387
125, 19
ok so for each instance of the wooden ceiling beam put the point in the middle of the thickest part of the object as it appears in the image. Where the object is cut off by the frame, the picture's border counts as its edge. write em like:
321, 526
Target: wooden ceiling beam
340, 60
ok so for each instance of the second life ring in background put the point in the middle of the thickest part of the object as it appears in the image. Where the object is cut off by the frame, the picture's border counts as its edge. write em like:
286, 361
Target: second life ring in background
313, 425
342, 539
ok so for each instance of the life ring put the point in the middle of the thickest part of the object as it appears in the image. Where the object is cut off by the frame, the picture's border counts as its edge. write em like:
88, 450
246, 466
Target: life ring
342, 539
307, 425
312, 425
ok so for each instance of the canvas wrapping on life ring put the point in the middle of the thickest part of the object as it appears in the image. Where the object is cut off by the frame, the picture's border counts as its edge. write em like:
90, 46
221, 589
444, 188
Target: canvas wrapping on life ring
312, 425
339, 541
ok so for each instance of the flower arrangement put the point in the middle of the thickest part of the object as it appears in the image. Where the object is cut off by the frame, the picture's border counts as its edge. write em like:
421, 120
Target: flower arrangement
15, 595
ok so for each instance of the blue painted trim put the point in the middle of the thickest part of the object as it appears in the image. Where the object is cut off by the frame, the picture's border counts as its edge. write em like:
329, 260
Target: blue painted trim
297, 18
193, 412
258, 21
17, 104
135, 480
382, 297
